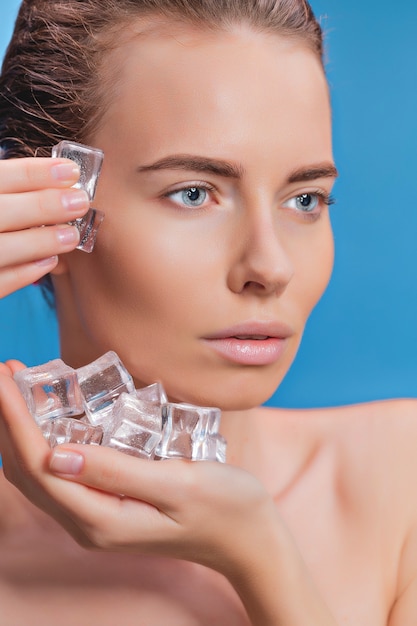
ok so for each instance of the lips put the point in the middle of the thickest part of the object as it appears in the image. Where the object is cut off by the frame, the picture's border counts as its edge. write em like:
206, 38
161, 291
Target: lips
251, 343
257, 337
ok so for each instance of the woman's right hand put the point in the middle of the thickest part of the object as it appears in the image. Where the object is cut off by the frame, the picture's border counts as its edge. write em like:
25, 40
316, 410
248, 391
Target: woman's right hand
36, 204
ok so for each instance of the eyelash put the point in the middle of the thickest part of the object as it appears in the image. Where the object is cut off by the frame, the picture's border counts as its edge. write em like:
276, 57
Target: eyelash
325, 198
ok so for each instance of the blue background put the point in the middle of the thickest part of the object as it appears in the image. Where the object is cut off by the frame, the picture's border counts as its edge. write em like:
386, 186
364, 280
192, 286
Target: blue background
360, 343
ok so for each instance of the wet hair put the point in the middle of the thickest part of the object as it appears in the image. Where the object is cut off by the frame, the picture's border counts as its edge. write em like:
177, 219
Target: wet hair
51, 84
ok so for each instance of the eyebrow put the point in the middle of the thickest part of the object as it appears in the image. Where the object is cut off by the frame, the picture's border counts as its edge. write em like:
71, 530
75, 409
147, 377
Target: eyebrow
227, 169
196, 164
304, 174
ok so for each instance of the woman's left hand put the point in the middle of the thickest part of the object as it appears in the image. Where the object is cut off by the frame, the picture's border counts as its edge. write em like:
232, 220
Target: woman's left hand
200, 511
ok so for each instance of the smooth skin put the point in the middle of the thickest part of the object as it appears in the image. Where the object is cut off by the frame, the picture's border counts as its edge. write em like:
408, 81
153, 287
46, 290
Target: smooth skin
313, 519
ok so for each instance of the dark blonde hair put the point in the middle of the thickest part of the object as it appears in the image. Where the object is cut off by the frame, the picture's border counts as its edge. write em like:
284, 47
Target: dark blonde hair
51, 75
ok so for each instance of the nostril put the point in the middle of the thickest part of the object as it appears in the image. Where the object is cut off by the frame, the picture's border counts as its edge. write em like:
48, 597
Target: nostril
250, 284
254, 285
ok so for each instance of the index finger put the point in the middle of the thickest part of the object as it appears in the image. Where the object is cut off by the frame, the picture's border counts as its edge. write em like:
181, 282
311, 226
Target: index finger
33, 174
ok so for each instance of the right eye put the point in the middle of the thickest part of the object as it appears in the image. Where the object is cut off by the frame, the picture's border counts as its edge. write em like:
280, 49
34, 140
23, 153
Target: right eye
191, 197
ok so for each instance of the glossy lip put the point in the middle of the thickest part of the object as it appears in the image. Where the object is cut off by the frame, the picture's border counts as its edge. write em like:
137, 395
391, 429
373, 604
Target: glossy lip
239, 344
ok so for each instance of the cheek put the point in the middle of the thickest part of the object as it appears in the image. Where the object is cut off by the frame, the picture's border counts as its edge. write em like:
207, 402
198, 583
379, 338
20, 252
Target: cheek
154, 271
313, 269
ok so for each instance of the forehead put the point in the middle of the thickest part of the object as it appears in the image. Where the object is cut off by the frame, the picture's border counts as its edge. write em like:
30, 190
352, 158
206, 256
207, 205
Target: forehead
220, 89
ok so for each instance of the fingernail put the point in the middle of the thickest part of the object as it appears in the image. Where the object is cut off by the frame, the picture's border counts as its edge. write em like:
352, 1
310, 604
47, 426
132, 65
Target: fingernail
75, 200
68, 235
49, 262
65, 462
65, 172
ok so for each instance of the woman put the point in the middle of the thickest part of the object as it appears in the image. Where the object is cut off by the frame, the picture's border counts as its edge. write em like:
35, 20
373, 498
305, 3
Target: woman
214, 118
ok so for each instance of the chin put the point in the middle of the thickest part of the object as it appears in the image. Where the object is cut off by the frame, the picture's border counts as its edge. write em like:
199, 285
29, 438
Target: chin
226, 397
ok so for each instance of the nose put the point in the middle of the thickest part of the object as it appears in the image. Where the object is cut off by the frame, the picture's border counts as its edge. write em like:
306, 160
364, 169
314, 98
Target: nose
261, 264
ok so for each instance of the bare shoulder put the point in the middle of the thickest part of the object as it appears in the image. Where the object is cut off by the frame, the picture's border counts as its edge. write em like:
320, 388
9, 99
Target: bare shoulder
370, 453
389, 457
385, 431
376, 441
396, 418
372, 449
385, 426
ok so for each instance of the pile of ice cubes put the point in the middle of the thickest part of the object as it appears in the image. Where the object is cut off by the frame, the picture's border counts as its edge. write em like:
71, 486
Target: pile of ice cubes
98, 404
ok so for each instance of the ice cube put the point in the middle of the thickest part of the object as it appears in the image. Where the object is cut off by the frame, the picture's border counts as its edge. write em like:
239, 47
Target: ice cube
50, 390
136, 426
101, 383
187, 426
69, 430
88, 226
155, 394
89, 161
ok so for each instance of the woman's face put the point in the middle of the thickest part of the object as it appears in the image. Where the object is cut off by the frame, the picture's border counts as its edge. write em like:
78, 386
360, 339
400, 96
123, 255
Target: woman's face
216, 243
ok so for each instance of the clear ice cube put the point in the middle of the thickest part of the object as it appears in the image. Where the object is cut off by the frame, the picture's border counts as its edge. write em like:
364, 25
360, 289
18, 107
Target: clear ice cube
155, 394
136, 427
207, 444
186, 428
50, 390
209, 448
88, 226
101, 383
221, 448
89, 161
69, 430
191, 432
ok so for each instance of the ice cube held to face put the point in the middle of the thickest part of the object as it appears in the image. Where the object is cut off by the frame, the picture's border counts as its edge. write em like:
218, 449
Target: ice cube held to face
90, 161
50, 390
88, 226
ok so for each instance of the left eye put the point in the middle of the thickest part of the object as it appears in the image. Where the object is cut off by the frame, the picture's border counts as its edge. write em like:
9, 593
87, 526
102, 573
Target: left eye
305, 202
191, 196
